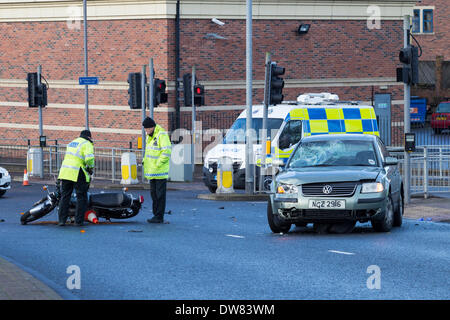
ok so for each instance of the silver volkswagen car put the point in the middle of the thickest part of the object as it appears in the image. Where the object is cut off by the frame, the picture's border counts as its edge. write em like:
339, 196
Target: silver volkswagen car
334, 181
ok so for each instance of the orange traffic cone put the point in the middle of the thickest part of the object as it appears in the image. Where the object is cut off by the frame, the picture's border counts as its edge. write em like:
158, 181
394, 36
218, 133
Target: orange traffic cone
91, 216
25, 178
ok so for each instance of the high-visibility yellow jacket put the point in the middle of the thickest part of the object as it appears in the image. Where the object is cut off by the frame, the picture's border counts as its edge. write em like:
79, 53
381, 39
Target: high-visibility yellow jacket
79, 154
157, 154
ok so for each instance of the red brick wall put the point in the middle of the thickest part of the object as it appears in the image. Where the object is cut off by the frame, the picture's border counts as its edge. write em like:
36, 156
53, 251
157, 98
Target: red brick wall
331, 49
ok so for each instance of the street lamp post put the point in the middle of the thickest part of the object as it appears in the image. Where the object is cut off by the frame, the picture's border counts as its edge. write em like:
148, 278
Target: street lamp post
86, 74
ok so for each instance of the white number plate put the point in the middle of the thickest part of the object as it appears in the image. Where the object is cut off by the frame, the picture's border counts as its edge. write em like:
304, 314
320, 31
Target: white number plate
327, 204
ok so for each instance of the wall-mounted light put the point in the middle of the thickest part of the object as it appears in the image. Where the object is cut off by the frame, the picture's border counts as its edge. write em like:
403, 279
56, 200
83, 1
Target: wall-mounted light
303, 28
214, 36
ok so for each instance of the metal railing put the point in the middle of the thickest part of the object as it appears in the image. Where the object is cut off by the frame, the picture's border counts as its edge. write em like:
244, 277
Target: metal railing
430, 169
107, 161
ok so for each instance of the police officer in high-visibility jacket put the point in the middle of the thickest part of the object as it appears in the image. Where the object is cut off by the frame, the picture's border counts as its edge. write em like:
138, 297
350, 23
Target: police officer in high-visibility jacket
156, 166
76, 171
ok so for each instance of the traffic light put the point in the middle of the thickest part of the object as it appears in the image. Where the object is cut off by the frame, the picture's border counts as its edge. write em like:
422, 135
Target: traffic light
160, 92
276, 84
409, 73
135, 90
199, 95
42, 97
37, 94
187, 85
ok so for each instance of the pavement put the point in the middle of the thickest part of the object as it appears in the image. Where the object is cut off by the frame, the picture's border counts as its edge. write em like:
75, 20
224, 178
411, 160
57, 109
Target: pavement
19, 284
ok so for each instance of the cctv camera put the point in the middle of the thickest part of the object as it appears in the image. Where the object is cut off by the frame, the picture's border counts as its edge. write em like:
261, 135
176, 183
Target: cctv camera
217, 21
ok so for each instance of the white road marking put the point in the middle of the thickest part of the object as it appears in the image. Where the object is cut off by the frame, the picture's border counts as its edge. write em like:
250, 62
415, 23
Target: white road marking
234, 236
341, 252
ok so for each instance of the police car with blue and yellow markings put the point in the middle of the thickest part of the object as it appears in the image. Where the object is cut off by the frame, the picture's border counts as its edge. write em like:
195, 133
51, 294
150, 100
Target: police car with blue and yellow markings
287, 124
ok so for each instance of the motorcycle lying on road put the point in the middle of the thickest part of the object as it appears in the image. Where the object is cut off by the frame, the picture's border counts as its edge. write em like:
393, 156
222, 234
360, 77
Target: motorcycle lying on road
107, 205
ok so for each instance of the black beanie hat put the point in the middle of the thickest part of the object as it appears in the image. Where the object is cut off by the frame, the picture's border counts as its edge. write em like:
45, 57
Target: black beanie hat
86, 134
148, 123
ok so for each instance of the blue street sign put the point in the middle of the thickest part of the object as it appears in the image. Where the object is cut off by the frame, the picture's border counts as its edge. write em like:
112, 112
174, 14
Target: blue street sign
87, 80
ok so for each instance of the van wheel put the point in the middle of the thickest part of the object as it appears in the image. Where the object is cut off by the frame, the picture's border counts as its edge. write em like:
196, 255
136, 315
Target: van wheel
267, 182
212, 189
386, 222
398, 214
276, 223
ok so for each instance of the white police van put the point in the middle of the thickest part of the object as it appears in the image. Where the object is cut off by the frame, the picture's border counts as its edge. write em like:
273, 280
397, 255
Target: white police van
287, 123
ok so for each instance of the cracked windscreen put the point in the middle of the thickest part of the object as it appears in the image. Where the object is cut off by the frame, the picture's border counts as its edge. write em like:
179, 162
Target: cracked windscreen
334, 153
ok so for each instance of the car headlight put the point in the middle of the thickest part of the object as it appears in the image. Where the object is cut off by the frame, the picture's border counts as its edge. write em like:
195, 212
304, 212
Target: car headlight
372, 187
287, 189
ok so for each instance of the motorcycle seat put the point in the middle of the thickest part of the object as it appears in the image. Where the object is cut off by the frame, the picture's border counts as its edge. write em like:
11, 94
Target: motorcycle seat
109, 200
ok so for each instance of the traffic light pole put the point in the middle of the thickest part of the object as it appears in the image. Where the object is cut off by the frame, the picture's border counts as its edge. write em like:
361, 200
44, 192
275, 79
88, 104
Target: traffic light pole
143, 111
264, 122
41, 129
249, 178
151, 88
407, 118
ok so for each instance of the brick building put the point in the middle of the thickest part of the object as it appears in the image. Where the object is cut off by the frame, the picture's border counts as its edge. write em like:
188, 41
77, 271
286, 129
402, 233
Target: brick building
431, 28
344, 52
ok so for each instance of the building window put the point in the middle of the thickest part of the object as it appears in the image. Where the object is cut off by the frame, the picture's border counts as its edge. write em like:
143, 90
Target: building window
422, 20
427, 21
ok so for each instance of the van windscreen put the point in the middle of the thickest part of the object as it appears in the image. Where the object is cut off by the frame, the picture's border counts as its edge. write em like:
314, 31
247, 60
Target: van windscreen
236, 134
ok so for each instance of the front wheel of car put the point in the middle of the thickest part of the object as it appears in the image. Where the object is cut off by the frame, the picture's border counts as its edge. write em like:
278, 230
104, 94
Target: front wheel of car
2, 192
398, 214
275, 222
387, 221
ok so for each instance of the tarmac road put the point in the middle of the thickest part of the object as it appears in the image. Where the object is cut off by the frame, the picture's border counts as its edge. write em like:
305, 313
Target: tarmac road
223, 250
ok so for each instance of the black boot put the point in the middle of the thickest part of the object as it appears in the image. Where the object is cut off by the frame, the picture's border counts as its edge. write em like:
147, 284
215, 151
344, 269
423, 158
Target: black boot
156, 219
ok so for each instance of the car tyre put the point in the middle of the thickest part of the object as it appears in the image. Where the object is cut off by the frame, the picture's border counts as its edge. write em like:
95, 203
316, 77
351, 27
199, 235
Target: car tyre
2, 192
386, 222
437, 130
398, 214
275, 223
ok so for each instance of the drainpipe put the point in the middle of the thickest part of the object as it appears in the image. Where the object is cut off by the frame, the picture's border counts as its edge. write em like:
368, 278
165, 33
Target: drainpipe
177, 66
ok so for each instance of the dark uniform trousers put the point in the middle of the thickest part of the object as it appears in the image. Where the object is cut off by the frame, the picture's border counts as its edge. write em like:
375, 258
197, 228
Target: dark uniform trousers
81, 189
158, 193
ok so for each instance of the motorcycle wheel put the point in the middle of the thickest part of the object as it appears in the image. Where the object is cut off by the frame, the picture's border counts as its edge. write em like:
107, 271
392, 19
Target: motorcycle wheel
39, 210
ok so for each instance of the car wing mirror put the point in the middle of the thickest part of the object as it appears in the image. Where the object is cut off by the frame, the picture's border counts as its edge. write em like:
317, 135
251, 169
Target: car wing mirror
390, 161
